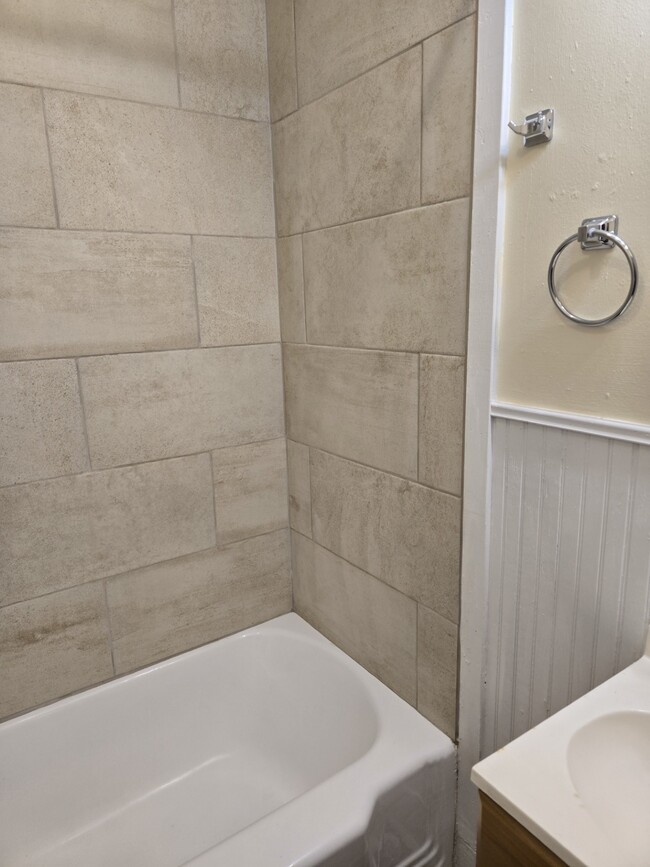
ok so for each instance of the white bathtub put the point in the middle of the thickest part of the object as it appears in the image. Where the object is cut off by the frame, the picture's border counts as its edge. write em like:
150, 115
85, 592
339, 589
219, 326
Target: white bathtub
270, 748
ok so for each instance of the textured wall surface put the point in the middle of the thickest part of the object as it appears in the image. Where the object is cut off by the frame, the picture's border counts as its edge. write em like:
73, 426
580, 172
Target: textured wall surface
371, 105
143, 483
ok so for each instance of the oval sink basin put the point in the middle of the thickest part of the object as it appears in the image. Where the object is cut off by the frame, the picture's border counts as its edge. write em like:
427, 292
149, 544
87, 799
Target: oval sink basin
609, 764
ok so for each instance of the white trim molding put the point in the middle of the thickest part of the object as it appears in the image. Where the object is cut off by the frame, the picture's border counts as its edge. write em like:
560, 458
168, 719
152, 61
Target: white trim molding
586, 424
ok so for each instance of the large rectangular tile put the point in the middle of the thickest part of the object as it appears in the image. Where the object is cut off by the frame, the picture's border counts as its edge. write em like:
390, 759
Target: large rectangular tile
437, 662
299, 487
41, 421
353, 154
165, 609
370, 621
118, 165
250, 489
222, 56
67, 531
337, 40
386, 284
283, 85
291, 290
356, 403
148, 406
52, 646
442, 409
401, 532
122, 48
27, 198
237, 289
448, 106
75, 293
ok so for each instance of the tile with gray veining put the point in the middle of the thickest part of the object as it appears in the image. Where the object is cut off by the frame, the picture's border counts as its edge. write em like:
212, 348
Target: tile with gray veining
27, 198
383, 284
370, 621
52, 646
67, 531
120, 49
448, 109
353, 154
299, 487
290, 288
222, 57
76, 293
171, 607
337, 40
282, 57
401, 532
250, 489
442, 408
236, 285
357, 403
437, 652
124, 166
41, 421
148, 406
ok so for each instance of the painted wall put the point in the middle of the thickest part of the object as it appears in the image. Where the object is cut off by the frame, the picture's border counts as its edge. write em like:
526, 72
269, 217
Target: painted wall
594, 71
143, 494
371, 103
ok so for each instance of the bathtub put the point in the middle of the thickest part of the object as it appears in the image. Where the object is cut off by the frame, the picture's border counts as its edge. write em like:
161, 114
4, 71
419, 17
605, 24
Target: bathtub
270, 747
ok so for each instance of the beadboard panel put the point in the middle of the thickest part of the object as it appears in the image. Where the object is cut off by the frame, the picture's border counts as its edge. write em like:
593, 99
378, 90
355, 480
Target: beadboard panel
569, 597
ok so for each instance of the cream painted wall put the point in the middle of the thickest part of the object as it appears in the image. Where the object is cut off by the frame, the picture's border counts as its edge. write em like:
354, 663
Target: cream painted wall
591, 62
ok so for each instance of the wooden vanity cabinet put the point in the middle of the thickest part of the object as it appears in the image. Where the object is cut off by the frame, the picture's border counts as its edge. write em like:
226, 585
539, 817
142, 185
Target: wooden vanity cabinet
503, 842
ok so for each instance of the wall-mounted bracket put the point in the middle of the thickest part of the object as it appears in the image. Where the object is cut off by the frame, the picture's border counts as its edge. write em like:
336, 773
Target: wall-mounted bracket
589, 240
537, 128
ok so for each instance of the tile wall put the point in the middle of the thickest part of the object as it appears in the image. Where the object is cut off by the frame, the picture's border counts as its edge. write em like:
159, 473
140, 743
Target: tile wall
371, 109
143, 482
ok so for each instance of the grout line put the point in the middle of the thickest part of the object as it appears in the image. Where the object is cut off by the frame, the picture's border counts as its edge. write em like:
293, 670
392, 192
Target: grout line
417, 653
295, 58
337, 346
421, 142
214, 500
304, 285
154, 232
196, 294
418, 420
55, 202
416, 207
311, 508
383, 62
178, 74
109, 624
92, 469
84, 422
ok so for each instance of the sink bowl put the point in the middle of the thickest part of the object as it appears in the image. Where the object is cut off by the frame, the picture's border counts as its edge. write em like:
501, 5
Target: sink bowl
609, 764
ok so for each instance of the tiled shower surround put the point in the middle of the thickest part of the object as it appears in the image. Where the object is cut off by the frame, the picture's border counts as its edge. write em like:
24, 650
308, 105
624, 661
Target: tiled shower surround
143, 459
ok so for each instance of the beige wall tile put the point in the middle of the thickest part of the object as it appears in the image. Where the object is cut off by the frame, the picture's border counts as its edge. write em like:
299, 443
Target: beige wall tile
290, 287
73, 293
52, 646
27, 198
437, 651
386, 284
41, 421
119, 165
353, 154
448, 106
401, 532
282, 57
148, 406
370, 621
168, 608
442, 408
338, 40
250, 490
122, 48
59, 533
222, 57
236, 284
299, 487
359, 404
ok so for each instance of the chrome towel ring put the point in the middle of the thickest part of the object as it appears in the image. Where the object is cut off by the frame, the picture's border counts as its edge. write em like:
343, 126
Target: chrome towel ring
597, 233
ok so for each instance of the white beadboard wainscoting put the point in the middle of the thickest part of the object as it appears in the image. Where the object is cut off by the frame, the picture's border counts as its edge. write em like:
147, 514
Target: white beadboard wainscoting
569, 589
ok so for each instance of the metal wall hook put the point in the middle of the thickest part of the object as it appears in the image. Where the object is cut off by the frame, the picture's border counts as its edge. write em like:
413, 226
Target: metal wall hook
537, 128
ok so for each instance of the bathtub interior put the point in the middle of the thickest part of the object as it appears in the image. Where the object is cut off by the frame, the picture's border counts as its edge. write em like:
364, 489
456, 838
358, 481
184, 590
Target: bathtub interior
167, 762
